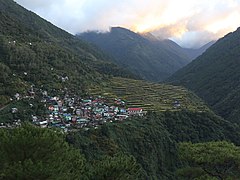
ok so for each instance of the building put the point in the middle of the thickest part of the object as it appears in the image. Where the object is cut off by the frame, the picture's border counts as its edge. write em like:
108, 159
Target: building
135, 111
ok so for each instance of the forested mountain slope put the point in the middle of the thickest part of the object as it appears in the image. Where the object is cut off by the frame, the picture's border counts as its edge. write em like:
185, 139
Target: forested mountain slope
152, 140
36, 56
215, 76
35, 52
146, 58
144, 54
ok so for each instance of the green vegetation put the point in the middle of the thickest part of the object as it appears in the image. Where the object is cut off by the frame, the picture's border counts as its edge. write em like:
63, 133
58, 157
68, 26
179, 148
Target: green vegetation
200, 127
149, 96
152, 140
33, 51
215, 76
211, 160
29, 152
151, 60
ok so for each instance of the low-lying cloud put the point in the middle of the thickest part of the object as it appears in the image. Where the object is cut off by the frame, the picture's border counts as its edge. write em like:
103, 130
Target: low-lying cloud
191, 23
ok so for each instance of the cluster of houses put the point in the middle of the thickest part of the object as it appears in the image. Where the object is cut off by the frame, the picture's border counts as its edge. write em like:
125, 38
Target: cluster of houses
73, 112
70, 113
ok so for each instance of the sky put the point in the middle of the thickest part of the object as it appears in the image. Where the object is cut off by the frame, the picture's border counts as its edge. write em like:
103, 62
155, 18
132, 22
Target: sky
190, 23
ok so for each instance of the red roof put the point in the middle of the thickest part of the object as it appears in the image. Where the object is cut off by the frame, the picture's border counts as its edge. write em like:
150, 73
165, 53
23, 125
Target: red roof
134, 109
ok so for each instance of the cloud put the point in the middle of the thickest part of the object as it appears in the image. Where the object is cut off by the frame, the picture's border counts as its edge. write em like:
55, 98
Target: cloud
189, 22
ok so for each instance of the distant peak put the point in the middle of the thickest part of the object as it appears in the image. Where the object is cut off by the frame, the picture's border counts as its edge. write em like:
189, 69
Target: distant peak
119, 29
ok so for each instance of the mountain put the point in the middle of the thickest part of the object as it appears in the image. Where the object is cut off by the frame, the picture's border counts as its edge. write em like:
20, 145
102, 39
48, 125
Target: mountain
142, 56
38, 59
35, 52
194, 53
215, 76
189, 53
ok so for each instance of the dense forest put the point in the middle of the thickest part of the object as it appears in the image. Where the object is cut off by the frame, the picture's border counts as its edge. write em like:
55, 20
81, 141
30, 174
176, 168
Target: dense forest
187, 142
153, 140
215, 76
141, 148
33, 153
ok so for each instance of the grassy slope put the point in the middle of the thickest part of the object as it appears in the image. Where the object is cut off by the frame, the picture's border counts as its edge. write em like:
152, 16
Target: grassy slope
149, 96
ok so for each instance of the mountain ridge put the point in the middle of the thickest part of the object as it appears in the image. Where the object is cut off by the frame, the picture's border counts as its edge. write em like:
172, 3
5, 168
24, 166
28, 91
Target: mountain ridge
215, 77
33, 51
38, 66
143, 54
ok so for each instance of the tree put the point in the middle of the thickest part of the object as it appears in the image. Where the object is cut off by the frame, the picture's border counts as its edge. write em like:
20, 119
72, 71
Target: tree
118, 167
29, 152
215, 160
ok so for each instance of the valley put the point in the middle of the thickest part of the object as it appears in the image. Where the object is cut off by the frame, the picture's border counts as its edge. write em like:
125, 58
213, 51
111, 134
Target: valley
114, 105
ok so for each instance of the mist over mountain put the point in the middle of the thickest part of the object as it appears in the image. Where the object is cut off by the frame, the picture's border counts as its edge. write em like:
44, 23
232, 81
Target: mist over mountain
194, 53
62, 101
143, 54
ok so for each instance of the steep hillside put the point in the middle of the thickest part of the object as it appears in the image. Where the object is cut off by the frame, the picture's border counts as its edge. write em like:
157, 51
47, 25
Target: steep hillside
187, 53
149, 59
215, 76
34, 52
152, 140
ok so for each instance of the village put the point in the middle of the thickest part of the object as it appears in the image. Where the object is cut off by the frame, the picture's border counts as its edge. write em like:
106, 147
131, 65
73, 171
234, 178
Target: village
65, 110
72, 112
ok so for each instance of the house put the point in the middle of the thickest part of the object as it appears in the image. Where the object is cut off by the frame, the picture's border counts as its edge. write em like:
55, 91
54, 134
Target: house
17, 96
34, 118
79, 112
176, 104
56, 108
123, 111
14, 110
31, 93
82, 121
43, 124
134, 111
60, 103
64, 109
121, 117
51, 108
68, 117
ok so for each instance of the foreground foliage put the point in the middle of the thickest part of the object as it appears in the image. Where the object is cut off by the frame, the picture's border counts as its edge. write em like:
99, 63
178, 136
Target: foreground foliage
153, 139
29, 152
220, 160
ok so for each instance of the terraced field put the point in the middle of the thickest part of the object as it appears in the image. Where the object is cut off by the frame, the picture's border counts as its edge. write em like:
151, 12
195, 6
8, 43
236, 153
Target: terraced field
149, 96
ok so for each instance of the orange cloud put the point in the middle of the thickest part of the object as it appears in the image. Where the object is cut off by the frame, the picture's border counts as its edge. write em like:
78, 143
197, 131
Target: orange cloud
169, 19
